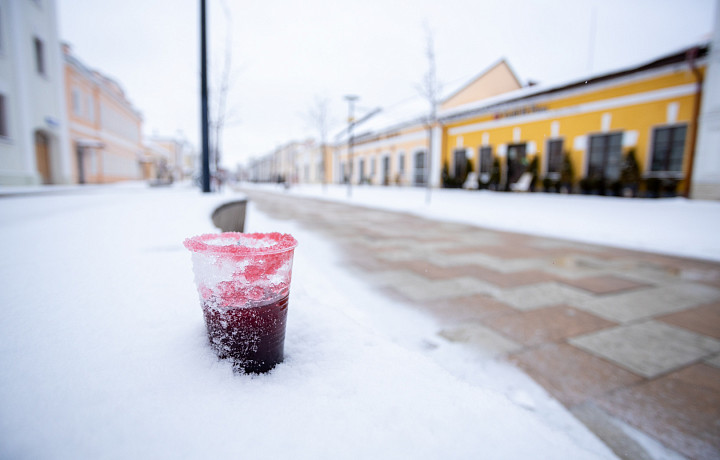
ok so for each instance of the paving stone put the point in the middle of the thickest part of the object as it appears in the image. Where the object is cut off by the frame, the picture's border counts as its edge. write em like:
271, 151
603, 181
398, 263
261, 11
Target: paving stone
703, 320
481, 338
492, 263
510, 251
544, 325
418, 288
572, 375
475, 307
605, 284
501, 280
681, 409
649, 348
542, 295
405, 254
434, 272
646, 303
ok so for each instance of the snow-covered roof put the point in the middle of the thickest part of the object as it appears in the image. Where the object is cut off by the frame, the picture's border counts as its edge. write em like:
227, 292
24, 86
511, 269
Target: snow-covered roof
523, 93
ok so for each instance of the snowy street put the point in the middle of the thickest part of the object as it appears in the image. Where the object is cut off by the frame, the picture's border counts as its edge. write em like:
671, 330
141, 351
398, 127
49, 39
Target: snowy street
104, 352
674, 226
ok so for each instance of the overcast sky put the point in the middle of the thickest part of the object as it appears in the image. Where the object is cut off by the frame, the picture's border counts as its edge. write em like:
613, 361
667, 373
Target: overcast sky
285, 54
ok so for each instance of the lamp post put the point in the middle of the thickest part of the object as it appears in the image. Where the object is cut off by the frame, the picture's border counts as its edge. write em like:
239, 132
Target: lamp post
351, 123
204, 97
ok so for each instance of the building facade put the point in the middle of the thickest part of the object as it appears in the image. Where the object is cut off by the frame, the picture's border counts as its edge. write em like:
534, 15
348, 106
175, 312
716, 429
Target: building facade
408, 152
649, 112
105, 130
33, 125
180, 156
631, 132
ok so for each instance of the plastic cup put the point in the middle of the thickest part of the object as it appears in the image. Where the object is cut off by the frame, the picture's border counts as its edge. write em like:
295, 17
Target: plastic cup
243, 280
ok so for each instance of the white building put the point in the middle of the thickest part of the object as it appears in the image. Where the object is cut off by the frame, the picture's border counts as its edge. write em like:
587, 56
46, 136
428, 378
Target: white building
706, 171
33, 125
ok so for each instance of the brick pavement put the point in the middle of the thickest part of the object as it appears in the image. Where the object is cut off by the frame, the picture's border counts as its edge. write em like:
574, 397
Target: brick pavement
612, 334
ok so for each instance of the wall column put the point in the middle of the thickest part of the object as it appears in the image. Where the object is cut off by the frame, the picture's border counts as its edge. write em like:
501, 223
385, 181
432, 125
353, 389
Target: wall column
706, 168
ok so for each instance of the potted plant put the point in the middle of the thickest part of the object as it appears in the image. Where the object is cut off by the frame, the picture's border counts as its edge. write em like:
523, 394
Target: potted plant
652, 187
593, 184
494, 183
550, 185
629, 175
669, 187
566, 174
533, 169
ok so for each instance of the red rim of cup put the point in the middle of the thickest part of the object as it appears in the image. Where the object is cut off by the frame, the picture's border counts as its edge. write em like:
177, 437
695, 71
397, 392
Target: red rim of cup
282, 242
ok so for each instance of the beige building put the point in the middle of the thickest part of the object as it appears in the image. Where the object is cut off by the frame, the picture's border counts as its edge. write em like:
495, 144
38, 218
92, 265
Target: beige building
105, 130
180, 155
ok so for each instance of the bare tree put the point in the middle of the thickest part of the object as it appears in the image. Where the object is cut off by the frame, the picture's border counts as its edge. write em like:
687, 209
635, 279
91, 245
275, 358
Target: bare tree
222, 115
430, 89
318, 118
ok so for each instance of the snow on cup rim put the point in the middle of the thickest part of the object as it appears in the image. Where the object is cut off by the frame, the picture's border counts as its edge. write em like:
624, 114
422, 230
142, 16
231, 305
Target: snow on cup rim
241, 244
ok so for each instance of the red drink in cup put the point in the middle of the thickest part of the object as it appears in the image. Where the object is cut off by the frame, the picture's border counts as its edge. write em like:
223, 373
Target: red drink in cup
244, 281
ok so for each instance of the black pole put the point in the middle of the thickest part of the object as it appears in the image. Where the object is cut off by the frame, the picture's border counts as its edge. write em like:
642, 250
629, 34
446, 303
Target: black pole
204, 95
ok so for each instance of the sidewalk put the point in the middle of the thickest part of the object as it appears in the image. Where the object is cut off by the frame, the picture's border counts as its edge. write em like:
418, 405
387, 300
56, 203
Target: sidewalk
612, 334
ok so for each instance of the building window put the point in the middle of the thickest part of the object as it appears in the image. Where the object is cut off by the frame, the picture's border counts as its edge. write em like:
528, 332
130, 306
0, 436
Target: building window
39, 56
4, 132
605, 156
460, 163
419, 168
361, 170
401, 164
386, 170
668, 148
2, 42
90, 109
486, 160
554, 156
516, 162
76, 101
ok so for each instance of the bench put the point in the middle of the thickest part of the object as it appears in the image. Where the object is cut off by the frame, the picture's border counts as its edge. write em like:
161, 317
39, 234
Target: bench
230, 217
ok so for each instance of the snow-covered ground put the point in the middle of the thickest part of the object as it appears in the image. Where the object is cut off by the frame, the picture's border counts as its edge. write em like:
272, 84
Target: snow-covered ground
674, 226
104, 354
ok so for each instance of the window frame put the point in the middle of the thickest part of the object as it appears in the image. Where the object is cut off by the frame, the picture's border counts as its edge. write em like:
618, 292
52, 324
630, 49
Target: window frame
39, 48
4, 121
553, 166
361, 170
422, 168
481, 150
653, 145
606, 163
459, 167
75, 101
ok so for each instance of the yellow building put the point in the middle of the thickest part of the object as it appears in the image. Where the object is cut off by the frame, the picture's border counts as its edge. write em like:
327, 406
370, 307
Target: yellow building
104, 127
394, 147
650, 110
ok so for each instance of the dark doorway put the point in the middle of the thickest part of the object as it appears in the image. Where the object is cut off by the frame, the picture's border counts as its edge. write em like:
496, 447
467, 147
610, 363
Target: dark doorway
516, 163
80, 151
386, 170
42, 156
419, 168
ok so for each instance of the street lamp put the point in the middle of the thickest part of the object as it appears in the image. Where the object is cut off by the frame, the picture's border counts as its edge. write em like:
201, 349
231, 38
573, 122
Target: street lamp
204, 101
351, 123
